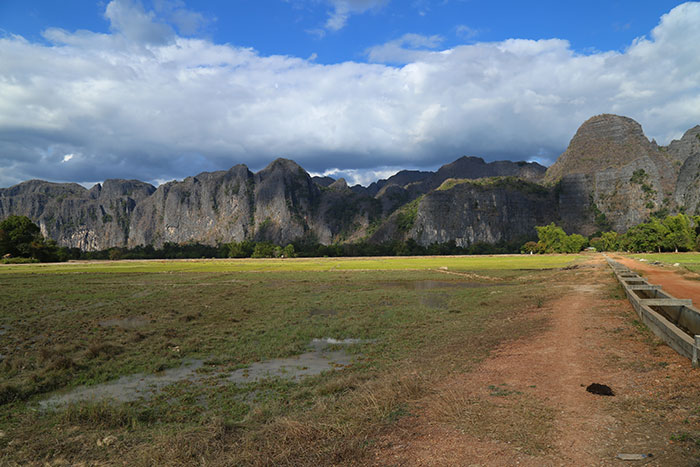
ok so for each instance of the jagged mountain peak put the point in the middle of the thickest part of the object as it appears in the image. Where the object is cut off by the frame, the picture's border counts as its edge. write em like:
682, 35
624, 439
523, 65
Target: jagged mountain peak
602, 142
282, 164
339, 184
688, 145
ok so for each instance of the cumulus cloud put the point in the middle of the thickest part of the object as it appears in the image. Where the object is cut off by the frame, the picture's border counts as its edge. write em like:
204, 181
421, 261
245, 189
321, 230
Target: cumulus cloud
145, 102
130, 18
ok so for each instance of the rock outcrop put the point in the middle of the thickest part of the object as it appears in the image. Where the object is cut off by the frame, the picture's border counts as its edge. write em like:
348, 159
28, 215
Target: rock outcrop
491, 210
612, 176
74, 216
687, 146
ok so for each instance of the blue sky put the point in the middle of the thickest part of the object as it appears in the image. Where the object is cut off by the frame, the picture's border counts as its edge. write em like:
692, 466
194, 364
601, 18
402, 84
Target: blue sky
162, 89
300, 27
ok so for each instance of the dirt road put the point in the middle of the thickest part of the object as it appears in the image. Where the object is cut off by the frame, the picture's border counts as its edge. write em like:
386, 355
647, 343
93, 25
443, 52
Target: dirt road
670, 279
527, 403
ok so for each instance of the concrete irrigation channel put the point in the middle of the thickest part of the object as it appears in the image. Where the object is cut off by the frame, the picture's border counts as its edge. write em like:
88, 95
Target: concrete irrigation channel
675, 321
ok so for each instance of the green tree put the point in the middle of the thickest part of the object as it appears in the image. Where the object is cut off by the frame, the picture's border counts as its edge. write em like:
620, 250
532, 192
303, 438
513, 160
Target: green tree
551, 238
242, 249
681, 234
646, 237
16, 236
597, 243
263, 250
19, 236
610, 241
288, 251
530, 248
574, 243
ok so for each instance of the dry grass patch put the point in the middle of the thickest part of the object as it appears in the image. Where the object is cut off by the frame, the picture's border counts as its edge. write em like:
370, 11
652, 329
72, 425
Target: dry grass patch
509, 416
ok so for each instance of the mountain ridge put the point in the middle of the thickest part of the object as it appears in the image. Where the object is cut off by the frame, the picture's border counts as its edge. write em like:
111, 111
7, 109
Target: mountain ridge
610, 176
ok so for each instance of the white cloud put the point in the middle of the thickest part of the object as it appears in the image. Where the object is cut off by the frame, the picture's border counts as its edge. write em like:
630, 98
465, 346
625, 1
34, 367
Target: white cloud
128, 17
359, 177
466, 32
67, 157
343, 9
407, 48
143, 102
187, 22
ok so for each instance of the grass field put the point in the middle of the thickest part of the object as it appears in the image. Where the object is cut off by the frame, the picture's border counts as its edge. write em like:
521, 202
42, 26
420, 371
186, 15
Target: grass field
690, 261
459, 263
70, 325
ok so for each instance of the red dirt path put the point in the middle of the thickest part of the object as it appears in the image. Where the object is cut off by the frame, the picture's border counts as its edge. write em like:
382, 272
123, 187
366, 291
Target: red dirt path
590, 338
670, 279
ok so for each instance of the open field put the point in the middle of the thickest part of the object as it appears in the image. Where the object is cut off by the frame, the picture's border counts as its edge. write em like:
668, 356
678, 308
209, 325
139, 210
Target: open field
393, 263
395, 332
690, 260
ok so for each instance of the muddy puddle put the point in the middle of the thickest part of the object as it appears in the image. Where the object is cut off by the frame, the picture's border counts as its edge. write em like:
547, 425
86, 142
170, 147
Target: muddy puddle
323, 355
127, 388
430, 285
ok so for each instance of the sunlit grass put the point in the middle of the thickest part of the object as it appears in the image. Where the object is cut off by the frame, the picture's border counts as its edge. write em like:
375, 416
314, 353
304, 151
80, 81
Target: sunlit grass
458, 263
73, 324
690, 260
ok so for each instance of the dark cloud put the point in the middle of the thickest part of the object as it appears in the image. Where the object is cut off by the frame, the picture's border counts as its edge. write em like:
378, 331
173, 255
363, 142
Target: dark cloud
144, 102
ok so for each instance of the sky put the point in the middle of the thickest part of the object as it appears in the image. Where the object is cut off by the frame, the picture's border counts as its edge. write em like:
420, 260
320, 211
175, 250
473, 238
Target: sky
157, 90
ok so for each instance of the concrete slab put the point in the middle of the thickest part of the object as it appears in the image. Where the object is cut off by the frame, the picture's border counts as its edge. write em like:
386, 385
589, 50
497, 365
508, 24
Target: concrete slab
666, 301
643, 287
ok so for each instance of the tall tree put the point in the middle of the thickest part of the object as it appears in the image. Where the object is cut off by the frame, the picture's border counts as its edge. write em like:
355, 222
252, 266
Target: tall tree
551, 238
16, 236
680, 232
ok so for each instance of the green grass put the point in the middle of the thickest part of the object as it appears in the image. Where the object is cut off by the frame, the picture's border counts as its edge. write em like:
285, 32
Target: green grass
419, 325
459, 263
690, 260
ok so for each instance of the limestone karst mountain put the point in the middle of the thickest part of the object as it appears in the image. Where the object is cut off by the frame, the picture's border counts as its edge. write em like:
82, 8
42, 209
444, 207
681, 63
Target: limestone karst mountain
610, 176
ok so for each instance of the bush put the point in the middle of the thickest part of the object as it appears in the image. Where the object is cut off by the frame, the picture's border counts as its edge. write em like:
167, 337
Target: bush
18, 260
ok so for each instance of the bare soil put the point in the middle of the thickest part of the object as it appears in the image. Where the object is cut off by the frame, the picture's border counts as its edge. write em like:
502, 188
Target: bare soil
670, 279
527, 404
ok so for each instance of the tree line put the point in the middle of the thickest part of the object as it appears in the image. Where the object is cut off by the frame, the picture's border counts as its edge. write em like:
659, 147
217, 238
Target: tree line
678, 232
21, 241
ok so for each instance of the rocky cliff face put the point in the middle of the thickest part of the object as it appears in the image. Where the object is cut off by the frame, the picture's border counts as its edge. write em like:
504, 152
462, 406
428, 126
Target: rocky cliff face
75, 216
208, 208
470, 211
602, 142
278, 204
407, 185
688, 145
611, 176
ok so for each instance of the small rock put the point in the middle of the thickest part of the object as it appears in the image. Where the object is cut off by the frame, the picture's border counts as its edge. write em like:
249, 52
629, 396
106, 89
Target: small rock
676, 264
634, 457
2, 434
